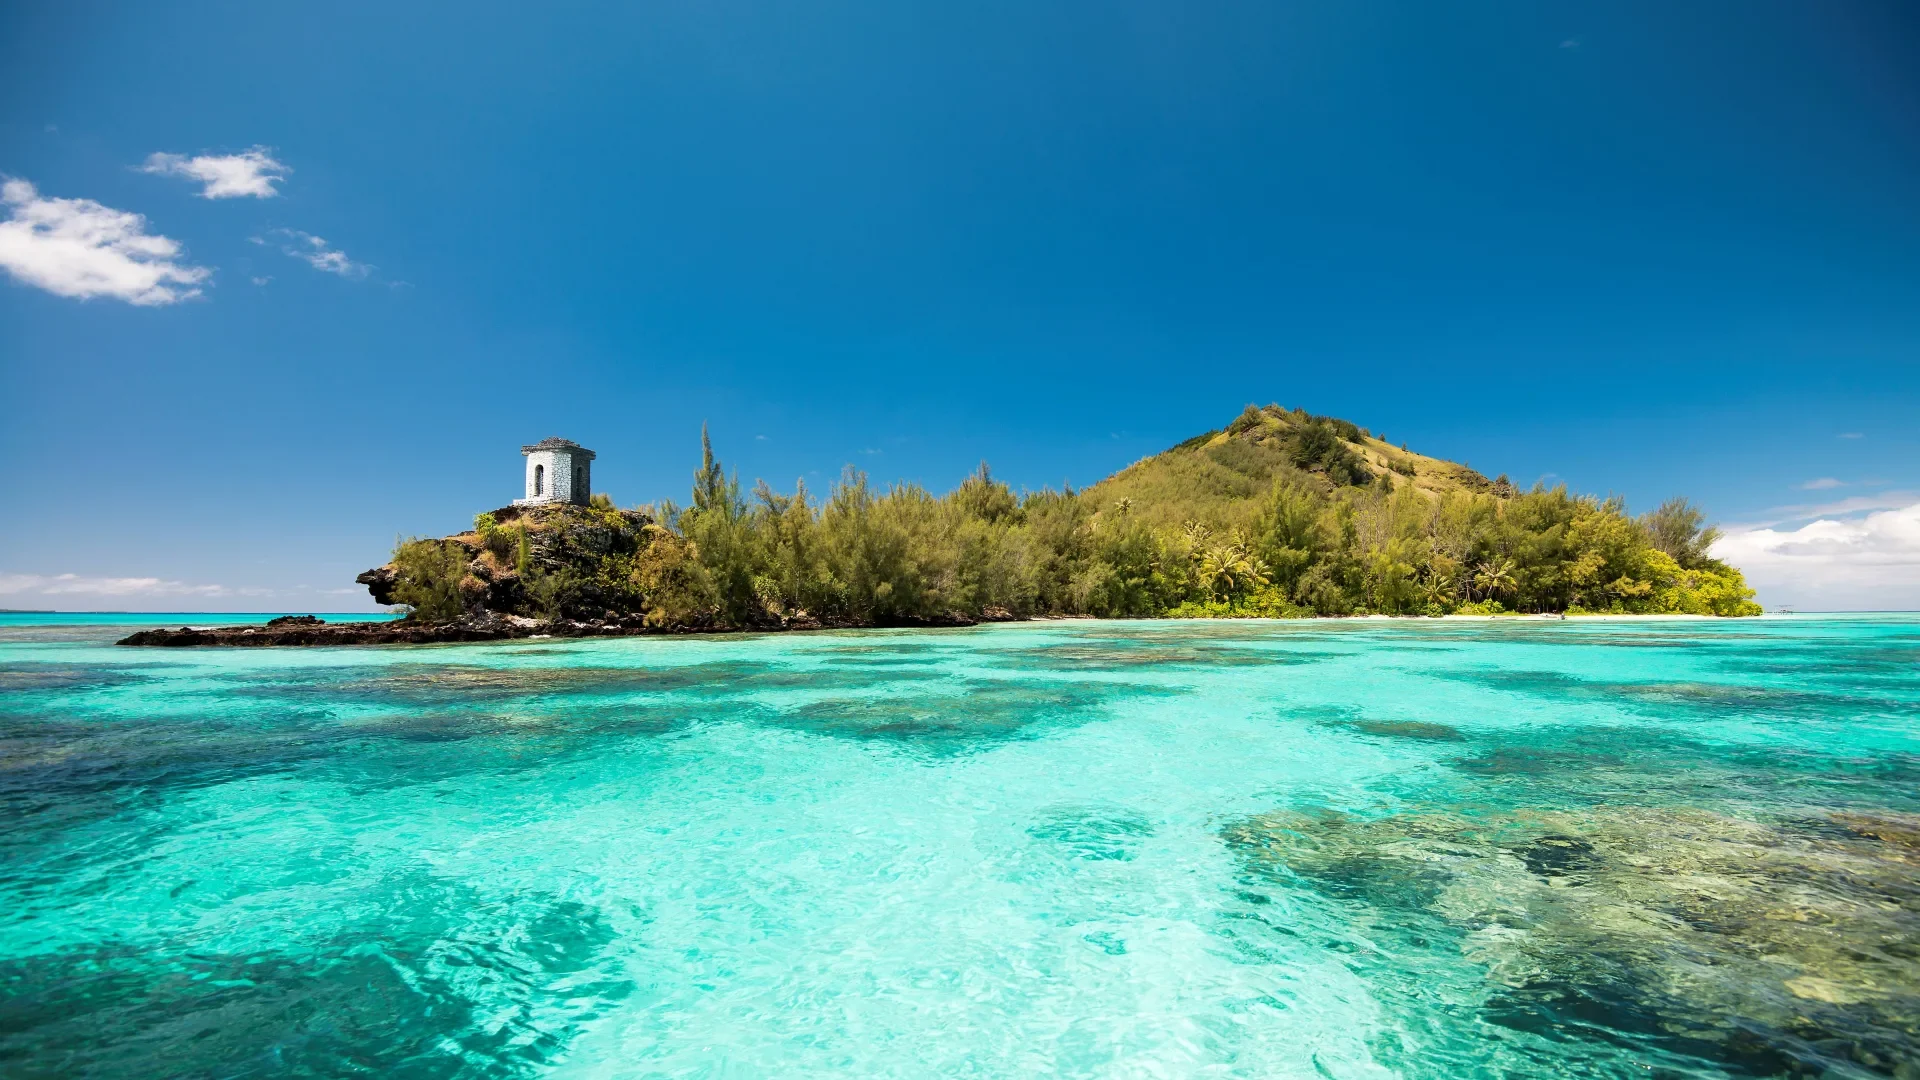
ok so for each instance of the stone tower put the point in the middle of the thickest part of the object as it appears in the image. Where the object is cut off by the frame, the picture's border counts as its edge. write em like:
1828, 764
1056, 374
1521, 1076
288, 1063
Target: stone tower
557, 472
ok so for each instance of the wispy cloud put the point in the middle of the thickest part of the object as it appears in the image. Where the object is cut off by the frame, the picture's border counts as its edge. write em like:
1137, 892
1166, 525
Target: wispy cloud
1822, 484
1867, 562
81, 249
78, 584
1850, 435
249, 174
1570, 43
1851, 505
319, 254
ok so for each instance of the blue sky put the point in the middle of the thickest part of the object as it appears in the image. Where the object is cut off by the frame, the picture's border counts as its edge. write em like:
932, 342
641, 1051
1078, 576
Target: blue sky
1643, 248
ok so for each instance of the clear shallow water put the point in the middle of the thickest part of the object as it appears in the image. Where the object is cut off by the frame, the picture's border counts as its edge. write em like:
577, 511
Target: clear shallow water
1347, 849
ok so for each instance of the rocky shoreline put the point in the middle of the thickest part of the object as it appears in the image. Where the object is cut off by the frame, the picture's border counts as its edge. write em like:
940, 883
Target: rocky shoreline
310, 630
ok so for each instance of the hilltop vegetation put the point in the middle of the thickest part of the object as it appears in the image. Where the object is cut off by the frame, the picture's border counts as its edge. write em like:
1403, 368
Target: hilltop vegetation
1224, 473
1281, 513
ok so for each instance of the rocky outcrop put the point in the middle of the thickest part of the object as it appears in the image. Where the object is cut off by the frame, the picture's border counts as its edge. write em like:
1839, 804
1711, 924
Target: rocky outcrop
477, 626
380, 582
309, 630
554, 561
312, 630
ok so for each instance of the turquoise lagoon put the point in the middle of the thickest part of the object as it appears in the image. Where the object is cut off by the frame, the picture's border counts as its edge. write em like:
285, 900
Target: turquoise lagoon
1166, 849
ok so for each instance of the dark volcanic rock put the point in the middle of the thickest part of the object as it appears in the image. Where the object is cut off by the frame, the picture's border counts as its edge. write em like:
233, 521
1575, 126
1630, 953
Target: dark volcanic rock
476, 626
308, 630
380, 582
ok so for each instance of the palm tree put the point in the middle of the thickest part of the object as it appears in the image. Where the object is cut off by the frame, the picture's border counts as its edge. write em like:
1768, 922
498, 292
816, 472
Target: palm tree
1230, 569
1494, 577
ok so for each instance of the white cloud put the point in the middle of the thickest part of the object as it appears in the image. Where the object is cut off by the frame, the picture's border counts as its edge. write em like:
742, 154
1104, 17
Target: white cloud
1849, 506
1821, 484
319, 254
75, 584
226, 176
1870, 562
79, 248
1850, 435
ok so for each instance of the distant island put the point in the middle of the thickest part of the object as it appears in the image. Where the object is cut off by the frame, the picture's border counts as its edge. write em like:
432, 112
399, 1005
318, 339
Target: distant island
1281, 514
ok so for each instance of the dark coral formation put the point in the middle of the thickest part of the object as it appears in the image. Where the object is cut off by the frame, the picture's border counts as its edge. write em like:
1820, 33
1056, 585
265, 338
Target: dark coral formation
1772, 947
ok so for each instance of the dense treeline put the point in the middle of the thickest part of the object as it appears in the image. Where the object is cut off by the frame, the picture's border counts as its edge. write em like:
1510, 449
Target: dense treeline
1326, 536
1315, 544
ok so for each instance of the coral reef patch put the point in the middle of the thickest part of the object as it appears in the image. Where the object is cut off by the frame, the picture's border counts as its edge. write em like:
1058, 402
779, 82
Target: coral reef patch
1768, 947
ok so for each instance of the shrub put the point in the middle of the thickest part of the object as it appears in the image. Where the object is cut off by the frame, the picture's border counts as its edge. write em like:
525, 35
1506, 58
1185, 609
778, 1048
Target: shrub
428, 576
1265, 602
676, 588
1251, 417
495, 538
549, 591
1317, 445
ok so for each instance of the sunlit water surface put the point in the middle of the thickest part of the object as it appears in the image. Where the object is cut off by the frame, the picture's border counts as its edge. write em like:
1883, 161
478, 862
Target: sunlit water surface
1321, 849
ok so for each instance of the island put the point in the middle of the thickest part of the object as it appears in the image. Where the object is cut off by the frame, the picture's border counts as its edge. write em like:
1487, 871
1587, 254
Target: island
1280, 514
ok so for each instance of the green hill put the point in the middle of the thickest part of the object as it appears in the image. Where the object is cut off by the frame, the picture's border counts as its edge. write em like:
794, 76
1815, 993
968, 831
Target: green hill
1219, 476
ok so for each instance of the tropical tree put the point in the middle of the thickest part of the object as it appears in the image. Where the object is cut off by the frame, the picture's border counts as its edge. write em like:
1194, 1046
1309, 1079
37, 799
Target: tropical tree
1494, 577
1680, 529
1229, 569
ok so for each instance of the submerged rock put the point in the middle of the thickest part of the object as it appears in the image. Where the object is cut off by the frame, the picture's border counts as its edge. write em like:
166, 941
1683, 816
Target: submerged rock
1409, 729
1776, 947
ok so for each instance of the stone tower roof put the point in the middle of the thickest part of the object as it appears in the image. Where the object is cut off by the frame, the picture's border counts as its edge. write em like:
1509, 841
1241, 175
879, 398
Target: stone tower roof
567, 445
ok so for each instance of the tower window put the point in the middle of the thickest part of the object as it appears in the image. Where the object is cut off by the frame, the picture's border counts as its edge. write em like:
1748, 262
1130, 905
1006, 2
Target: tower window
539, 480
